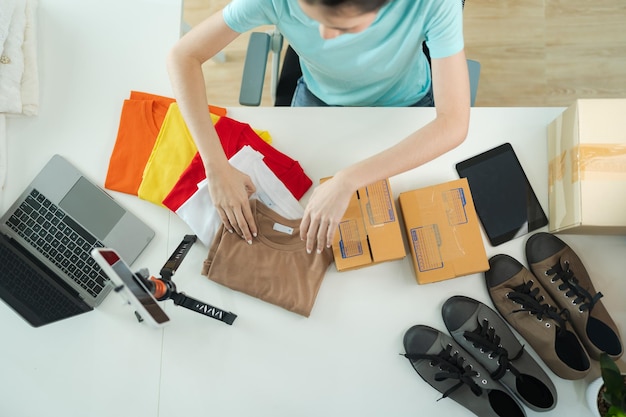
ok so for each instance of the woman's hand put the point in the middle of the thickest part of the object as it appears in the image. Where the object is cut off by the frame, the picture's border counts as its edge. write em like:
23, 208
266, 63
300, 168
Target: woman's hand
322, 214
230, 191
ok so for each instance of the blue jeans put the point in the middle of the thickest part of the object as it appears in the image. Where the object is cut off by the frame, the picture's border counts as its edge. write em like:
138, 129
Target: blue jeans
302, 97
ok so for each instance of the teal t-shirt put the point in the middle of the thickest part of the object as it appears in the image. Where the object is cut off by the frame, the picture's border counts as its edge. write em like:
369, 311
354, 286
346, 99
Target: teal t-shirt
382, 66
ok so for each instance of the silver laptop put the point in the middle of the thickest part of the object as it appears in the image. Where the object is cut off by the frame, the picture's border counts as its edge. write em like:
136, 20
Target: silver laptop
47, 236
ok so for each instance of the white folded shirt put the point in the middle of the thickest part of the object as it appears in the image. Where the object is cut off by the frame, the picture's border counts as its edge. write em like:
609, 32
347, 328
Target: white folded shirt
200, 213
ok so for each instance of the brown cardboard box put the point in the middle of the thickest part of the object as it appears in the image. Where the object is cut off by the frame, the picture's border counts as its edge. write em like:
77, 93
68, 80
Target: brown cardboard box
587, 168
369, 231
443, 231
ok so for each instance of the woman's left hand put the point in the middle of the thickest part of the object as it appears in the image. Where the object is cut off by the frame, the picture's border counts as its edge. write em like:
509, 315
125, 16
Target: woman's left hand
322, 214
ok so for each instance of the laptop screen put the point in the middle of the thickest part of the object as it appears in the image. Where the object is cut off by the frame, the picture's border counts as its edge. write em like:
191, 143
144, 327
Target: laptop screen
94, 209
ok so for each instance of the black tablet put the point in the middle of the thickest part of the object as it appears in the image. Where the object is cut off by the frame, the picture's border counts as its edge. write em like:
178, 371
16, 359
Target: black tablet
505, 202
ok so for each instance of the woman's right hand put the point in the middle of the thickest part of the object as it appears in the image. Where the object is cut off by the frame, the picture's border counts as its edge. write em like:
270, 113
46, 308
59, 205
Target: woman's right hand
228, 187
230, 191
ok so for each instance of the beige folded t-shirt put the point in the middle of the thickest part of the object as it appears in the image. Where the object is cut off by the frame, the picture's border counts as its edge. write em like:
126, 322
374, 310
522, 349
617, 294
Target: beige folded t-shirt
276, 268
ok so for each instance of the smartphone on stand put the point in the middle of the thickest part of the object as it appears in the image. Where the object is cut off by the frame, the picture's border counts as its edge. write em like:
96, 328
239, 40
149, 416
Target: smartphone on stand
130, 287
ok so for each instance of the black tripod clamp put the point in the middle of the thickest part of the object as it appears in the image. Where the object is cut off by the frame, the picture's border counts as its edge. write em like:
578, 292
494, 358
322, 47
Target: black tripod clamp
163, 288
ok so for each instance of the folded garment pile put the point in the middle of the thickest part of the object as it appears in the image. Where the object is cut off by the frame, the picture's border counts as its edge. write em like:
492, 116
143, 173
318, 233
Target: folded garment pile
156, 159
19, 80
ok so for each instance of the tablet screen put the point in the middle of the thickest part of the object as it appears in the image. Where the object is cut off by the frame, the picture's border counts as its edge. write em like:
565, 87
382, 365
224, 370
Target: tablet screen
505, 202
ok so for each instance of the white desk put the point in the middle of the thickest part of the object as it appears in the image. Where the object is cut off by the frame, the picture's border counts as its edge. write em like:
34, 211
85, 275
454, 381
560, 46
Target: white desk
91, 54
341, 361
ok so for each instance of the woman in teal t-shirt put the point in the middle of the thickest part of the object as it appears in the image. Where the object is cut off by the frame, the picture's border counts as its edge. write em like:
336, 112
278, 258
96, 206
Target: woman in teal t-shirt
352, 53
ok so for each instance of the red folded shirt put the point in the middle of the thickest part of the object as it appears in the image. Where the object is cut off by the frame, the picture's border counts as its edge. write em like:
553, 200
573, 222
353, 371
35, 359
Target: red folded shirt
233, 136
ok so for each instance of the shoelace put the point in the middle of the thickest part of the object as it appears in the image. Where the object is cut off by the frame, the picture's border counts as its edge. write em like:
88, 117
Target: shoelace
451, 367
572, 287
532, 302
486, 339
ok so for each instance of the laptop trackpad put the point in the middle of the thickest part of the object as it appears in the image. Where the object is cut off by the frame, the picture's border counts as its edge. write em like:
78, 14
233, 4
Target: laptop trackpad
93, 209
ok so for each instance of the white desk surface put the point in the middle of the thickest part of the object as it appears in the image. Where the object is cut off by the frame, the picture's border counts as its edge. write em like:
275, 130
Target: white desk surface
343, 359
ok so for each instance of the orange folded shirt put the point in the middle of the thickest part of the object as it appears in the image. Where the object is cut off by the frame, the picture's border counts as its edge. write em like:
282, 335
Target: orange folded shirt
140, 122
139, 95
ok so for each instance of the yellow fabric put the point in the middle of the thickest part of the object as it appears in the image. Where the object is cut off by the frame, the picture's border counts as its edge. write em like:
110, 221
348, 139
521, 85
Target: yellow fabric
172, 153
173, 150
265, 135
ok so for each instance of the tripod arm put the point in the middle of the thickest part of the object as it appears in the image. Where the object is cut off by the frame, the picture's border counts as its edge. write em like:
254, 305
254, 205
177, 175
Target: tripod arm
177, 257
180, 299
163, 288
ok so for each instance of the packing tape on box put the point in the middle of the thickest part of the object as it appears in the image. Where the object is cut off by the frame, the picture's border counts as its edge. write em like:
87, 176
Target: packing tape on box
599, 162
556, 169
589, 162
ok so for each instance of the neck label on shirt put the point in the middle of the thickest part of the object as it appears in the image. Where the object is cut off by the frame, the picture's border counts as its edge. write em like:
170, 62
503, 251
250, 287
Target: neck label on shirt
283, 229
265, 199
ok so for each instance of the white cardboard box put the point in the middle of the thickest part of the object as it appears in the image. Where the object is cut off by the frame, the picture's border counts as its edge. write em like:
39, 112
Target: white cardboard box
587, 168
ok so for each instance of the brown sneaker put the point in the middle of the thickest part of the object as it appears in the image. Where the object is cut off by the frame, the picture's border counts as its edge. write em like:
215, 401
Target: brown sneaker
530, 310
563, 275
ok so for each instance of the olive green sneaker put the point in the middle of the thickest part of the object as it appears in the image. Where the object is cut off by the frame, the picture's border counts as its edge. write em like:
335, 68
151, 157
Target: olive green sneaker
523, 302
561, 272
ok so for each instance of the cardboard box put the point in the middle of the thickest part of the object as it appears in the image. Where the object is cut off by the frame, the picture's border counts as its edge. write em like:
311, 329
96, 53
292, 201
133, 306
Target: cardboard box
369, 232
443, 232
587, 168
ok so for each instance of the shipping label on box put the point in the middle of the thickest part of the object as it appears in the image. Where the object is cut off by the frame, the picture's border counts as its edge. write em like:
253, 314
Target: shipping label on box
369, 231
587, 168
443, 232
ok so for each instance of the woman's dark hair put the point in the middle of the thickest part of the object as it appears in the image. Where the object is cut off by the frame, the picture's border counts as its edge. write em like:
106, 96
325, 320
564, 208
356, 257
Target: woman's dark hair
365, 6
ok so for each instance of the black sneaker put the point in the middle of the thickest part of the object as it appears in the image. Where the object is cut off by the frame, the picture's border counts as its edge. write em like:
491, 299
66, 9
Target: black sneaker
483, 333
443, 364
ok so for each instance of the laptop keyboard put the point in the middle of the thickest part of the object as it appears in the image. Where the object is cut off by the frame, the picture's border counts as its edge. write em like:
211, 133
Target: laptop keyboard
32, 290
68, 245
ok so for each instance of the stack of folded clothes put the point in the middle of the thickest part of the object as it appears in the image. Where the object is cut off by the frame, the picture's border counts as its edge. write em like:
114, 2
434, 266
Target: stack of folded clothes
156, 159
141, 120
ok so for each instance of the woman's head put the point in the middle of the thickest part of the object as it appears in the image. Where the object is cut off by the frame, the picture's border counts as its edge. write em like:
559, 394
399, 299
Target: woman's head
337, 17
365, 6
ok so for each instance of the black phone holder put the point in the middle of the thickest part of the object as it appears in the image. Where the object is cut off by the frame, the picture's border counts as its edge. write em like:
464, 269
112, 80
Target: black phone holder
163, 288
